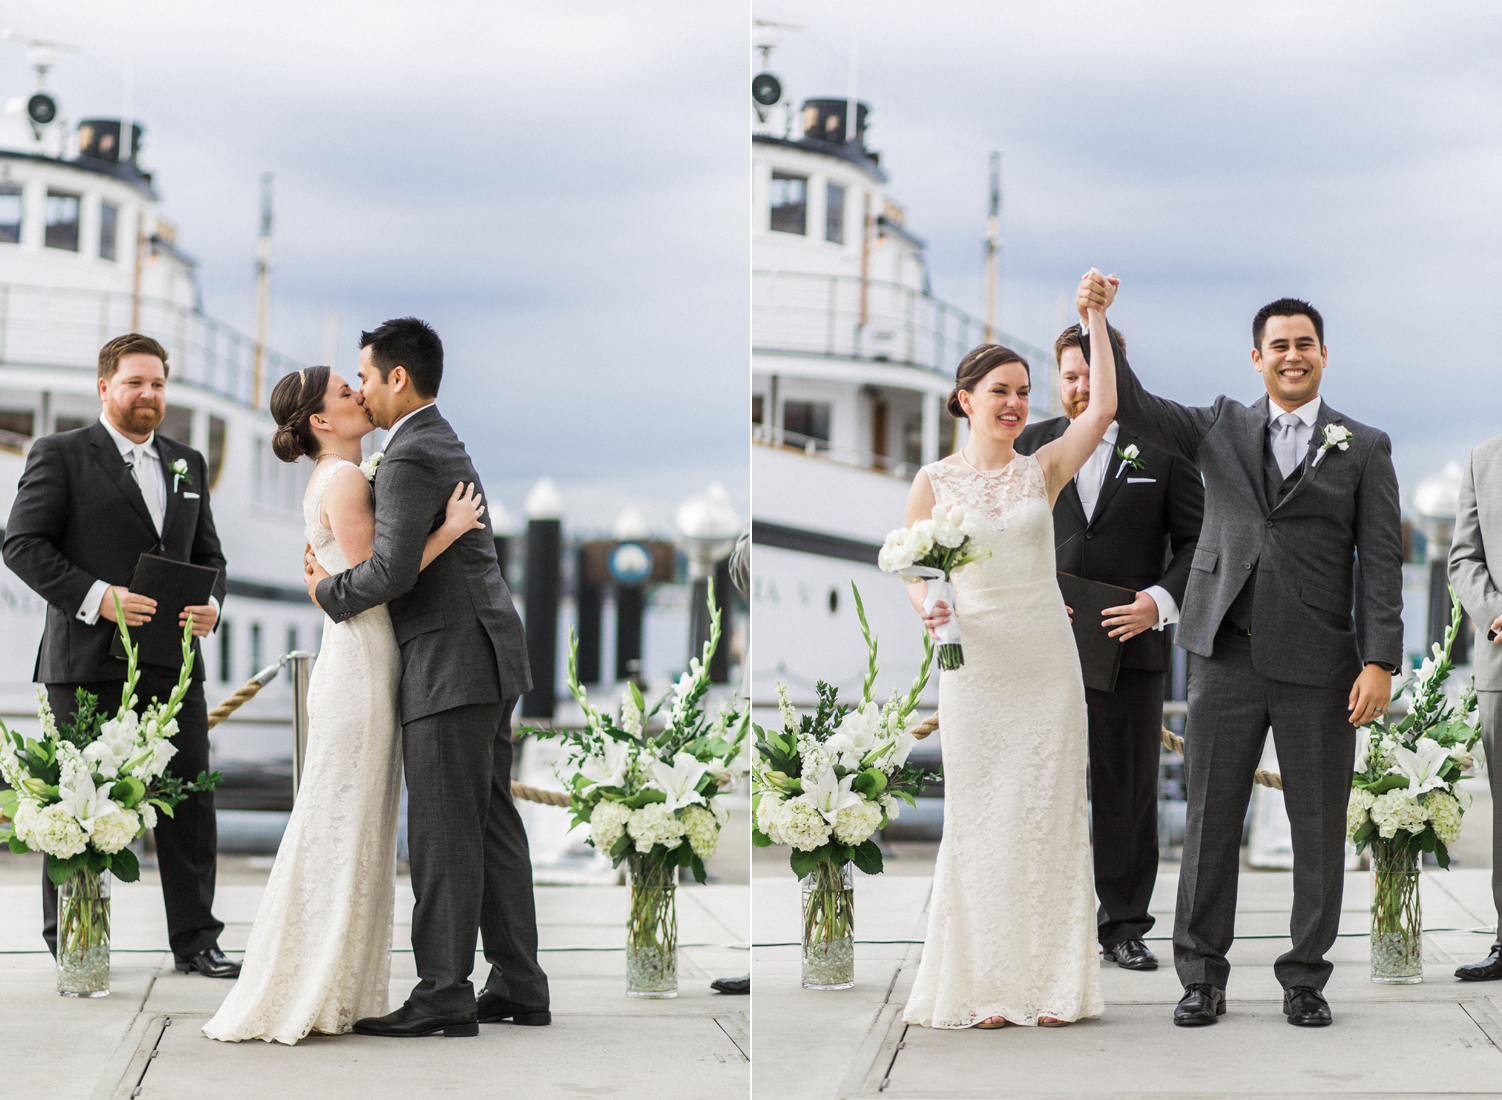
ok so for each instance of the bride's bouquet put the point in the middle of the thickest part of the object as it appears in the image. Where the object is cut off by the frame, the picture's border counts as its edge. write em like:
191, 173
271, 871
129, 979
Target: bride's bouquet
932, 549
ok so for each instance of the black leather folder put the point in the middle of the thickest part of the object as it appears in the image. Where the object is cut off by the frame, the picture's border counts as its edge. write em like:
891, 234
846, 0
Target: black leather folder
1100, 654
174, 585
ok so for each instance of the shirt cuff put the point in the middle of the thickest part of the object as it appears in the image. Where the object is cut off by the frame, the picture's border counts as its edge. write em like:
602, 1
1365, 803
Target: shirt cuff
89, 611
1168, 607
215, 601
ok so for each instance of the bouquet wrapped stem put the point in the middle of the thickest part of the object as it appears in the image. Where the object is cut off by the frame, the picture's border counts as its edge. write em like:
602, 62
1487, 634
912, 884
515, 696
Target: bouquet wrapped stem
931, 550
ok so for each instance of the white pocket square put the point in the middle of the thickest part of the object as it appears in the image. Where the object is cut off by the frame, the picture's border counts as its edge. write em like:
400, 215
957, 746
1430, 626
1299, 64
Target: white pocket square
190, 496
1142, 481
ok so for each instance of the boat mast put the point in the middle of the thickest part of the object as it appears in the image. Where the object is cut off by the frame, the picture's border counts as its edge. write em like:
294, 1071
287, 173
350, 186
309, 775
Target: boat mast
993, 248
263, 288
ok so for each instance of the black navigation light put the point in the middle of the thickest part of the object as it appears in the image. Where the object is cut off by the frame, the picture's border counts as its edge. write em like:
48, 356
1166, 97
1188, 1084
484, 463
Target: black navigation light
41, 109
766, 89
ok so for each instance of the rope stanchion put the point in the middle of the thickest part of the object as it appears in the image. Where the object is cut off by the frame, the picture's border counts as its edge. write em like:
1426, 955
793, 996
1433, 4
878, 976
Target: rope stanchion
537, 794
1171, 741
245, 694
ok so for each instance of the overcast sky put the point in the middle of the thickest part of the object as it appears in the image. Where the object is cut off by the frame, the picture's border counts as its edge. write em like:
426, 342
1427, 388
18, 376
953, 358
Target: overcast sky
560, 189
1216, 157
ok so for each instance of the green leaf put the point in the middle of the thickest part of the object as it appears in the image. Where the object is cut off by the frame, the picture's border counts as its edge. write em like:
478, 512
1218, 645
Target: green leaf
622, 843
125, 866
867, 858
760, 839
17, 845
60, 870
804, 863
165, 807
697, 866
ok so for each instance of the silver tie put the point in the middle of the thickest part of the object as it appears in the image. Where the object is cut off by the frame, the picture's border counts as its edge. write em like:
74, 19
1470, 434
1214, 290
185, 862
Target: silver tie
1285, 444
148, 493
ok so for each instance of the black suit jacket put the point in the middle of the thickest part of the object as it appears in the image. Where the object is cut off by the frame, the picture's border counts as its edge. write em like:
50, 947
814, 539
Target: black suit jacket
79, 517
1143, 532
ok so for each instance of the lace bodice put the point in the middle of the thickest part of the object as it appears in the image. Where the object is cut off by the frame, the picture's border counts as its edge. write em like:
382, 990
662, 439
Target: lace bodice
1015, 521
325, 546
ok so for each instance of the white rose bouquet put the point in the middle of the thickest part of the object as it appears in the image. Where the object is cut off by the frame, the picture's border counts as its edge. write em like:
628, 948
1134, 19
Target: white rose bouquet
932, 549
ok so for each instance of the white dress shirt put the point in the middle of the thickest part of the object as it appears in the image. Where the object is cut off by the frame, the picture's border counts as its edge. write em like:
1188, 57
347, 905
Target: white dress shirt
146, 466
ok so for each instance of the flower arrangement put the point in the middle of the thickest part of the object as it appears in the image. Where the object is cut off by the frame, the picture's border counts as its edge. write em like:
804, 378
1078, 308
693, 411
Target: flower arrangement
932, 549
824, 785
651, 799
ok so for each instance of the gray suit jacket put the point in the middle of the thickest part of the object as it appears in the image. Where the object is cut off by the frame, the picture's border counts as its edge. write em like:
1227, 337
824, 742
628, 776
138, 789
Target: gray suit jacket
1476, 555
460, 636
1343, 508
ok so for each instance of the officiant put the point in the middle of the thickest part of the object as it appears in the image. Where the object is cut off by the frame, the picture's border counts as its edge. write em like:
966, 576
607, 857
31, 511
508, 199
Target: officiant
89, 504
1130, 518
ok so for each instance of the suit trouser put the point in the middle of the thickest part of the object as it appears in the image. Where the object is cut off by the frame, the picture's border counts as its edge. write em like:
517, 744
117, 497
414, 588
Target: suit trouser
471, 868
1125, 741
187, 843
1490, 707
1231, 706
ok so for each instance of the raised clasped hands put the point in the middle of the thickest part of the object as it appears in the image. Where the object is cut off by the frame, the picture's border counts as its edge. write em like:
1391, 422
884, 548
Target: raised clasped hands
1096, 292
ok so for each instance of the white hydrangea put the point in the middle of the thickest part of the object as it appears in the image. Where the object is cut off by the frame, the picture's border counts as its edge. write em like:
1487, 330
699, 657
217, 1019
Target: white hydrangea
1444, 814
702, 830
607, 823
114, 831
1356, 810
653, 824
49, 829
797, 823
892, 805
855, 824
1396, 810
154, 765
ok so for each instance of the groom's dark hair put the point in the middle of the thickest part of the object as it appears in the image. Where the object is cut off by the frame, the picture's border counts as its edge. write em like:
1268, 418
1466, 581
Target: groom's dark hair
1287, 307
409, 343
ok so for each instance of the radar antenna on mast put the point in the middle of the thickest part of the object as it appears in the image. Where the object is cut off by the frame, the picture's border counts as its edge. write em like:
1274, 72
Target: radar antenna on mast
766, 88
41, 55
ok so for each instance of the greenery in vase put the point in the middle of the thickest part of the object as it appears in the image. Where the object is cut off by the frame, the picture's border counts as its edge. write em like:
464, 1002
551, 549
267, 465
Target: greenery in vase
654, 797
652, 927
827, 781
92, 784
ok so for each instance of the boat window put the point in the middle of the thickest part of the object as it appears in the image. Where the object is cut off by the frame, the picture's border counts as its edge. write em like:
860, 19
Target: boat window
834, 213
62, 220
178, 425
225, 630
109, 224
255, 648
12, 207
20, 422
806, 423
789, 202
216, 449
757, 408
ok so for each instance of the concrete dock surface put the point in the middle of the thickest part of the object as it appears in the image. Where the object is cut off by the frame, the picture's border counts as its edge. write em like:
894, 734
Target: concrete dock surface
143, 1041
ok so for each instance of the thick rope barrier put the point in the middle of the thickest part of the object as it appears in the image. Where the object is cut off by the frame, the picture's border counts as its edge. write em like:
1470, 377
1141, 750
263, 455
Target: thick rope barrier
1170, 740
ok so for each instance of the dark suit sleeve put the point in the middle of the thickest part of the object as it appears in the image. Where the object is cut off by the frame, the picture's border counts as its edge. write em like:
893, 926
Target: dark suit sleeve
206, 548
37, 526
1165, 424
1379, 549
1185, 508
407, 499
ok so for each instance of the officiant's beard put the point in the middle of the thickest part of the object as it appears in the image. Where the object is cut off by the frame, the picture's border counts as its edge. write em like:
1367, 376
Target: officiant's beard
1072, 409
138, 419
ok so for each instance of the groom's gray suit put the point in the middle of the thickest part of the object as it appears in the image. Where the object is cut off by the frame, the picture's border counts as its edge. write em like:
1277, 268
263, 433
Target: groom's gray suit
1268, 622
464, 665
1476, 573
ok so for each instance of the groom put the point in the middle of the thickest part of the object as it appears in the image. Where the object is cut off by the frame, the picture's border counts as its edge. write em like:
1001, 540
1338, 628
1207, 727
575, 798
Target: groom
1295, 494
464, 665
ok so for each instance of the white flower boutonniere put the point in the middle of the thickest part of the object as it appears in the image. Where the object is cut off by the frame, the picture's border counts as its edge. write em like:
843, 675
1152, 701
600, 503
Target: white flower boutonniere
371, 464
180, 474
1337, 436
1131, 456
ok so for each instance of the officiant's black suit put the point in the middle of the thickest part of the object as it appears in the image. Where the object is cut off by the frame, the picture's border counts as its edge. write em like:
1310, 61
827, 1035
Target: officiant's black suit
1142, 533
79, 517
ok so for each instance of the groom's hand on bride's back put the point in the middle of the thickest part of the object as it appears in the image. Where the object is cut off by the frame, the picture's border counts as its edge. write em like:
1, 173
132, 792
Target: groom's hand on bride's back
313, 573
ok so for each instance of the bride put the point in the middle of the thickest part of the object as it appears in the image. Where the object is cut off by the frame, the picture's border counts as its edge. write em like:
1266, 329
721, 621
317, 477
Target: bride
319, 955
1011, 923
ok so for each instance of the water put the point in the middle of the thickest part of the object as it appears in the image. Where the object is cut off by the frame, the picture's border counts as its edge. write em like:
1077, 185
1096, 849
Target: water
829, 965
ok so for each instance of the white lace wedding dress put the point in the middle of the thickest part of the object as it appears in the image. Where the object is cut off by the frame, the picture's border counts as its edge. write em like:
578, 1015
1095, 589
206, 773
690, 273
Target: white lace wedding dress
319, 955
1011, 922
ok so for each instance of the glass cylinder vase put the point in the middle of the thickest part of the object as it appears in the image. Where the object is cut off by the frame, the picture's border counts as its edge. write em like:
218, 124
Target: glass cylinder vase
829, 927
83, 935
1397, 918
652, 930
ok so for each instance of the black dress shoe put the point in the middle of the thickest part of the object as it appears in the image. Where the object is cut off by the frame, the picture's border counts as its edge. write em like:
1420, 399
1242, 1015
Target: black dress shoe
1488, 969
211, 963
1201, 1005
732, 985
1131, 955
494, 1009
408, 1023
1306, 1007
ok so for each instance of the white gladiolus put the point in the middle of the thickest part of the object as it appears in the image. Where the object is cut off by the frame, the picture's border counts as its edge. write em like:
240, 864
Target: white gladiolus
679, 781
1363, 748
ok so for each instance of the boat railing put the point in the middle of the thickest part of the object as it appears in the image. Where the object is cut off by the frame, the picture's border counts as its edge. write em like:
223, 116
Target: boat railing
846, 317
781, 439
43, 326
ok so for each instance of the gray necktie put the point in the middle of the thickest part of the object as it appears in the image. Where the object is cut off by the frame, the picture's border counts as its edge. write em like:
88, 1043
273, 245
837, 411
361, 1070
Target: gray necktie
1285, 443
148, 492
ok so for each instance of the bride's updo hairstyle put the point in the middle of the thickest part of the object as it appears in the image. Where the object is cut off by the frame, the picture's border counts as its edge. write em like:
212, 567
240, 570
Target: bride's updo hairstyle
294, 400
975, 366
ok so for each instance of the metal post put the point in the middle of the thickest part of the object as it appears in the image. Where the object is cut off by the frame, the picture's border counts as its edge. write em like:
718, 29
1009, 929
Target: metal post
630, 604
543, 549
301, 669
589, 599
724, 597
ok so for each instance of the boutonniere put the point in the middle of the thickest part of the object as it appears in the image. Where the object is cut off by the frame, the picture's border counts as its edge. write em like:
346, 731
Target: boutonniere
180, 474
1337, 436
1131, 456
371, 464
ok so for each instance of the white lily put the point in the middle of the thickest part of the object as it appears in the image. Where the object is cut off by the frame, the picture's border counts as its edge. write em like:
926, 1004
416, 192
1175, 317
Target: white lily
678, 782
830, 795
1363, 748
610, 771
1420, 765
86, 803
